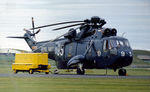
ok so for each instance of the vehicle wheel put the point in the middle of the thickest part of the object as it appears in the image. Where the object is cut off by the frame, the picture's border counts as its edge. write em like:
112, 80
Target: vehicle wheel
46, 72
80, 71
122, 72
15, 71
31, 71
56, 71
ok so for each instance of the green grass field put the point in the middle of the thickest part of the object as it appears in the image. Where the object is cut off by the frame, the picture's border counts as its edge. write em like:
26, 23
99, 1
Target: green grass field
36, 84
6, 62
51, 84
48, 84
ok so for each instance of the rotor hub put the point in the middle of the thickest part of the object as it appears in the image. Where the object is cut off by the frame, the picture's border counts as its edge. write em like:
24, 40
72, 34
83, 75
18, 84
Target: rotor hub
95, 19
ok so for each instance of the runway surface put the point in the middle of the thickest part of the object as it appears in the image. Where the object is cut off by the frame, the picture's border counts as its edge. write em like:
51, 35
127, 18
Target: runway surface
73, 76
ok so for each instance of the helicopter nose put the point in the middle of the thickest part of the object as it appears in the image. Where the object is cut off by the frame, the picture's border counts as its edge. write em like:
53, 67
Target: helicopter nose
125, 59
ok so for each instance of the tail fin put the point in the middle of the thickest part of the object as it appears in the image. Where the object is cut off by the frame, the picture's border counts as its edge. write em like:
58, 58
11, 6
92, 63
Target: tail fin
28, 38
30, 41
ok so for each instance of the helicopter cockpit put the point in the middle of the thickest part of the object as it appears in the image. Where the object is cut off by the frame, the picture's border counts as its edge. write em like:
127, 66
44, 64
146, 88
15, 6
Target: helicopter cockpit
115, 43
118, 43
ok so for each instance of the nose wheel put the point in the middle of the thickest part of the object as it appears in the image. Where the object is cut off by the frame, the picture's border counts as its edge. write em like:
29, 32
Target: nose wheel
80, 69
122, 72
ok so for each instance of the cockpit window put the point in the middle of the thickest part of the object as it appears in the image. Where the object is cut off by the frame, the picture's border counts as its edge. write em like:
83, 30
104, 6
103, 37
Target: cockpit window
121, 42
127, 43
112, 43
106, 45
118, 43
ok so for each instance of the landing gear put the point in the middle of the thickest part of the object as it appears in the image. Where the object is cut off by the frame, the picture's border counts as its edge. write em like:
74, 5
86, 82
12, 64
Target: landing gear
56, 71
122, 72
80, 69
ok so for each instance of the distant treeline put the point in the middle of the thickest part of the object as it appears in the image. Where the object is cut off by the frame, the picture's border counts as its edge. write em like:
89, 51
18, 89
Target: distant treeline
8, 54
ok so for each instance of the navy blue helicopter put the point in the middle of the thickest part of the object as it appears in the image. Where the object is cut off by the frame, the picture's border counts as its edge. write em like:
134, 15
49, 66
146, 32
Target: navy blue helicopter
92, 47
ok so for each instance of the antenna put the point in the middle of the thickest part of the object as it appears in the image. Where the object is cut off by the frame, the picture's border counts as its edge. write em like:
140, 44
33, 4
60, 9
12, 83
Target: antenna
123, 34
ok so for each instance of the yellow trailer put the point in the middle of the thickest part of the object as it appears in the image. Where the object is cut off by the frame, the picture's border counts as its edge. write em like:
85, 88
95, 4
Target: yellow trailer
31, 62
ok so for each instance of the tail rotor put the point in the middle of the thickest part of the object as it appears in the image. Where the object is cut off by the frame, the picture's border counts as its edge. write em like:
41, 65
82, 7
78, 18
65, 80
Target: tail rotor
33, 27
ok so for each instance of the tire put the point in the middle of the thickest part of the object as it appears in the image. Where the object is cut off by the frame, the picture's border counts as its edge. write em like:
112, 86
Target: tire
31, 71
46, 72
122, 72
80, 71
56, 71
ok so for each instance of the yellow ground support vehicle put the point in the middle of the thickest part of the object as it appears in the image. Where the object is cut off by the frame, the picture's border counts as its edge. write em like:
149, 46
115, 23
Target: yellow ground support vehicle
31, 62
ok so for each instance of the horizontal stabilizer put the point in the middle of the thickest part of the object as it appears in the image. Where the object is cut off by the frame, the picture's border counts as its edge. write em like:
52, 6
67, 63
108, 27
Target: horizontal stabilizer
18, 37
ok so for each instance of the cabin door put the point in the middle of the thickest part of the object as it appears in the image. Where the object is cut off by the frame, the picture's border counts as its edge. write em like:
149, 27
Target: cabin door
106, 53
70, 50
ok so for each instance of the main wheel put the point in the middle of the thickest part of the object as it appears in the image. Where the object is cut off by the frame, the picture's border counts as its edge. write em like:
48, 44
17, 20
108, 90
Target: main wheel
80, 71
31, 71
56, 71
122, 72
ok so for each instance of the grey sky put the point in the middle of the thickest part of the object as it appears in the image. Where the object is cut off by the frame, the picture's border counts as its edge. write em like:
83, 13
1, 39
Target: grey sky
129, 16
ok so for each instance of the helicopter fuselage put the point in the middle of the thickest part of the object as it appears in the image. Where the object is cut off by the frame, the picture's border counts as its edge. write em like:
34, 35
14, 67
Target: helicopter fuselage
106, 52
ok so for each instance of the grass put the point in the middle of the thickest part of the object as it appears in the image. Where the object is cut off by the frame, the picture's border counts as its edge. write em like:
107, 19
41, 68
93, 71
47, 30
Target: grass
51, 84
6, 62
130, 71
137, 61
35, 84
141, 52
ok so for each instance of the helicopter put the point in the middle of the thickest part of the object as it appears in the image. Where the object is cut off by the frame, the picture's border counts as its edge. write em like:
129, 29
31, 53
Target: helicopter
94, 46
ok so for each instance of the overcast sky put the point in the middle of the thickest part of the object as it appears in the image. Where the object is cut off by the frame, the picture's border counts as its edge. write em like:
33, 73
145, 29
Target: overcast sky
131, 17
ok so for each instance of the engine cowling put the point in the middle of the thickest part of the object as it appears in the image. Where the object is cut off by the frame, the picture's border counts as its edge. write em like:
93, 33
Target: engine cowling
71, 34
109, 32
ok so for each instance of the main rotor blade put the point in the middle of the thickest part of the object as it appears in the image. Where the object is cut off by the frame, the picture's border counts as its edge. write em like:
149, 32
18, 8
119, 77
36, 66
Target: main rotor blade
55, 24
60, 36
69, 26
52, 40
18, 37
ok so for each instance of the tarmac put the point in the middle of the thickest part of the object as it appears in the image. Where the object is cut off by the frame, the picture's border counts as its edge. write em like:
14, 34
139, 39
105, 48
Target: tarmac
74, 76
